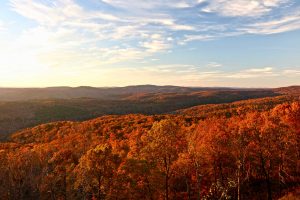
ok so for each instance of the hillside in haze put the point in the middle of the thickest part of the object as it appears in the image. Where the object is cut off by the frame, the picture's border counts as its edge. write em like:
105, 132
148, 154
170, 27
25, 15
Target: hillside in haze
139, 92
109, 93
22, 108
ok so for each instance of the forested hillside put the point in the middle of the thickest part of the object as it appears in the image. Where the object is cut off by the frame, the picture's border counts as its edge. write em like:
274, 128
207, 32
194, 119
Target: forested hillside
252, 155
83, 103
238, 107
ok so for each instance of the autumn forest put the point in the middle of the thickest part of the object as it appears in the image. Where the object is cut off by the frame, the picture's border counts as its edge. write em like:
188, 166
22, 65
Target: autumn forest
243, 150
149, 100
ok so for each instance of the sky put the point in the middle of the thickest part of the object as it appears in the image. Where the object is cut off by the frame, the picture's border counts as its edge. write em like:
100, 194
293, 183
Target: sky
228, 43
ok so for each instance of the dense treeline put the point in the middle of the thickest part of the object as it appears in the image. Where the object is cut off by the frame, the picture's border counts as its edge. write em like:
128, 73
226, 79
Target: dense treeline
238, 107
251, 155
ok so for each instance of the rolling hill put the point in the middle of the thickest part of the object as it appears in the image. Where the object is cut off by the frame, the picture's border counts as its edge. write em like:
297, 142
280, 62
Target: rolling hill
23, 108
108, 93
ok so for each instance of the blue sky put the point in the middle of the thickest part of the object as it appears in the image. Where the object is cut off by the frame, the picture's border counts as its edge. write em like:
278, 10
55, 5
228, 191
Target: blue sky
239, 43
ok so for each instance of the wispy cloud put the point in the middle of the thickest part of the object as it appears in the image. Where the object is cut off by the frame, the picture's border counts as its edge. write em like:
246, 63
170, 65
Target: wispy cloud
286, 23
254, 73
242, 8
260, 70
2, 26
173, 18
156, 43
214, 65
150, 4
172, 68
191, 75
57, 12
292, 72
68, 34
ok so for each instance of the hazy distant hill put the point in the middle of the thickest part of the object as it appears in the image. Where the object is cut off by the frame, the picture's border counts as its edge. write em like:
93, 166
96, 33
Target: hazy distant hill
22, 108
17, 94
291, 90
111, 93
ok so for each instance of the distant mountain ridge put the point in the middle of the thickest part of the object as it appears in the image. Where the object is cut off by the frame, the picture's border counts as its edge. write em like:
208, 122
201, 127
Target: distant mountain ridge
104, 93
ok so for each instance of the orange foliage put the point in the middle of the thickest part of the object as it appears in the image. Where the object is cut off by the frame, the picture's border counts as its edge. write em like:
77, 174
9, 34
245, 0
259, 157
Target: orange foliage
253, 154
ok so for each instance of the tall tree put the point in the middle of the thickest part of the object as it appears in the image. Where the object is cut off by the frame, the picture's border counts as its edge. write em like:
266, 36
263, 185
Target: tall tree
162, 145
96, 169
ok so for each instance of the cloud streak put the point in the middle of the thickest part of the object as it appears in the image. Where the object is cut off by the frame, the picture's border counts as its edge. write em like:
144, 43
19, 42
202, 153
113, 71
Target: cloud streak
242, 8
2, 26
176, 19
191, 75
